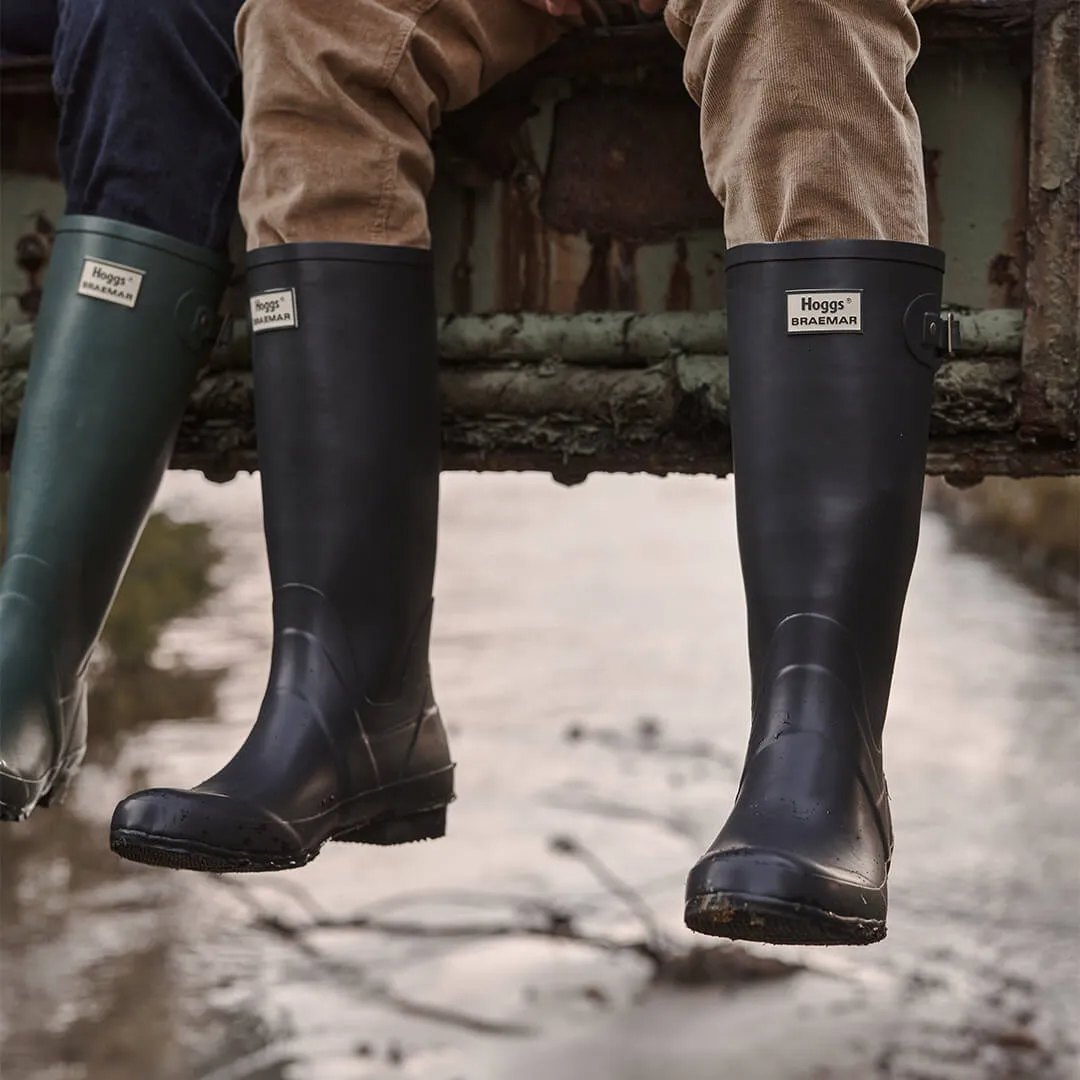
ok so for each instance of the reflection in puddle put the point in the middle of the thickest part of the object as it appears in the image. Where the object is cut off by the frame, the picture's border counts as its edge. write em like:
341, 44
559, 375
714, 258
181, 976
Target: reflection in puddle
589, 655
89, 983
88, 943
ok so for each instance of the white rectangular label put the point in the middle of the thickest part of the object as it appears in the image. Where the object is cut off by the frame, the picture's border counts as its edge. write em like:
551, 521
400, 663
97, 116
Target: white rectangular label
821, 312
274, 310
110, 281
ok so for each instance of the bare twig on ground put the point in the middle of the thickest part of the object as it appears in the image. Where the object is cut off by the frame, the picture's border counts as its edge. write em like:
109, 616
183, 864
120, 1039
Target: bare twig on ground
555, 924
630, 897
355, 979
714, 964
701, 965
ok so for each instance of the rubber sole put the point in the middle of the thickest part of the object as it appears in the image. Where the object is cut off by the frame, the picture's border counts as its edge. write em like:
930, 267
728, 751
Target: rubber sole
742, 917
166, 851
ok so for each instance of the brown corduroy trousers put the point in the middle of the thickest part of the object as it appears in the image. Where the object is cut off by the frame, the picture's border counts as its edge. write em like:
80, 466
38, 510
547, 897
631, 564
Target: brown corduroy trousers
807, 130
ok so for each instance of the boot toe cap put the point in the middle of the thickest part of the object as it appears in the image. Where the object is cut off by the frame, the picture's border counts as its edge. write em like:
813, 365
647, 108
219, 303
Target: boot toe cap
786, 878
201, 830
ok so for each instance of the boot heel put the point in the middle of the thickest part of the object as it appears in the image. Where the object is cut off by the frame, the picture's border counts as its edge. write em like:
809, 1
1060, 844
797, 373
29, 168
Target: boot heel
427, 825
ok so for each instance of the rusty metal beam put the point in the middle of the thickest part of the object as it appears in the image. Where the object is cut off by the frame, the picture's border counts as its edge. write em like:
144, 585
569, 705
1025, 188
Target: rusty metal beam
585, 187
1050, 391
22, 76
620, 392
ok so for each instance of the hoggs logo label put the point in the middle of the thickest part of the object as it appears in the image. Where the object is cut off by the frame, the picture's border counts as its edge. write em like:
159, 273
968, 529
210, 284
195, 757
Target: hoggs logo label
273, 310
110, 281
824, 312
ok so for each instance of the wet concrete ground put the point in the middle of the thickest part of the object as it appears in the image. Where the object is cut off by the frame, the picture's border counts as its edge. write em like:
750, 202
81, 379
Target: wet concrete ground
589, 656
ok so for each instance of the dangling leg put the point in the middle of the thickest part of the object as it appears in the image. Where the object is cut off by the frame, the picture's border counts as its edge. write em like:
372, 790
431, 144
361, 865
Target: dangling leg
129, 308
348, 744
834, 325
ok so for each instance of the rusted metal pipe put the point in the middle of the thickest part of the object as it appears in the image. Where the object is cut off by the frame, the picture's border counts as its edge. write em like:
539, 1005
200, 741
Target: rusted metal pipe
626, 339
602, 339
616, 392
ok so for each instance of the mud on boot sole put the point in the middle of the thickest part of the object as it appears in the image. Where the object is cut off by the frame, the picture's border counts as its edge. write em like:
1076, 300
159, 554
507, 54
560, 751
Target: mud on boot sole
742, 917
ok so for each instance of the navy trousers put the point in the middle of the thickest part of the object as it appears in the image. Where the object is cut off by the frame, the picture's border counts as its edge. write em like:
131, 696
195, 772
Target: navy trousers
149, 95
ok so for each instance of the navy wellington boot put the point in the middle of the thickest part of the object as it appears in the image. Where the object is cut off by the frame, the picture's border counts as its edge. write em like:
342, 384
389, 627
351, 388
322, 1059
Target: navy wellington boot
833, 350
348, 744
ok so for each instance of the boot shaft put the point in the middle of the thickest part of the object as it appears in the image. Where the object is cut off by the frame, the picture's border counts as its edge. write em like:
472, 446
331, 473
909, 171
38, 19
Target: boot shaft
832, 365
347, 419
127, 316
348, 744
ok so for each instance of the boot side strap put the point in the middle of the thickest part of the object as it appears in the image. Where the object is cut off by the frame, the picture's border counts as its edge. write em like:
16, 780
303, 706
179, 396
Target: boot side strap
197, 321
942, 331
929, 331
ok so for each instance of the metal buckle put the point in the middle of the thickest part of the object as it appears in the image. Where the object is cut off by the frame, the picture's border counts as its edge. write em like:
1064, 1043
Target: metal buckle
942, 330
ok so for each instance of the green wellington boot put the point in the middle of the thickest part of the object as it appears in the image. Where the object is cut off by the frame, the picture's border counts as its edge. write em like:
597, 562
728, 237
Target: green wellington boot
126, 318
